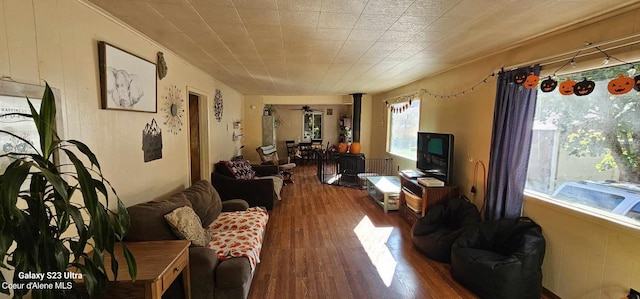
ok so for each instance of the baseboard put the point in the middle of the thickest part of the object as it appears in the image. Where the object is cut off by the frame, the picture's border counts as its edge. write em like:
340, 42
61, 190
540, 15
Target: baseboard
549, 294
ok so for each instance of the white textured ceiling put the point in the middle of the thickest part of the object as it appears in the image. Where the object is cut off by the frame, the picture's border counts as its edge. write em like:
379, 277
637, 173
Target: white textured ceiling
332, 47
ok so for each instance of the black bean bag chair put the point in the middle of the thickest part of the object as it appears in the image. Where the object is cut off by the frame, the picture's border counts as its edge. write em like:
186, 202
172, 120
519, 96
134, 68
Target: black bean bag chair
500, 259
434, 233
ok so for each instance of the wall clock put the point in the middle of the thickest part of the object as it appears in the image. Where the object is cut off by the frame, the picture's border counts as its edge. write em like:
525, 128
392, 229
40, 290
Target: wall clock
217, 105
173, 110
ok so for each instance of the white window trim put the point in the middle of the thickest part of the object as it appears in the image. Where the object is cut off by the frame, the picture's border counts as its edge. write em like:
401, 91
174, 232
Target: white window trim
583, 212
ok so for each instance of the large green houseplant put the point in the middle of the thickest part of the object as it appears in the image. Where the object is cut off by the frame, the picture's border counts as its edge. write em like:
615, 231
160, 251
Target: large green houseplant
62, 210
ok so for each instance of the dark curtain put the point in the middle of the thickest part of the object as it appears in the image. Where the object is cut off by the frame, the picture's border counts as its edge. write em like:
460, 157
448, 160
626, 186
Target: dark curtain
510, 144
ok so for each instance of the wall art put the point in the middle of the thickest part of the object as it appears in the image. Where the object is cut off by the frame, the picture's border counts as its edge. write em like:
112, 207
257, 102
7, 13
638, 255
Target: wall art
173, 110
127, 82
152, 141
217, 105
13, 99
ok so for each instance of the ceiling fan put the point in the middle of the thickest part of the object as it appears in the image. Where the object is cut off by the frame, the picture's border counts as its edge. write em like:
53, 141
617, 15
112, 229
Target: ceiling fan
306, 108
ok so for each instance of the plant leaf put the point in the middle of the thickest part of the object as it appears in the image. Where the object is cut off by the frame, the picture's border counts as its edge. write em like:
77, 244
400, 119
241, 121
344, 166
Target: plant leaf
45, 121
131, 262
83, 148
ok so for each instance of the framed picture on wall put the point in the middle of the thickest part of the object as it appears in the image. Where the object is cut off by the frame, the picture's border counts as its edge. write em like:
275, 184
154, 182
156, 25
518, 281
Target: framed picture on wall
127, 81
13, 102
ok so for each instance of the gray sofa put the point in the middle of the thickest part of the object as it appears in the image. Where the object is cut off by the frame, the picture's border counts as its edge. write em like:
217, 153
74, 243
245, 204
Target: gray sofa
210, 277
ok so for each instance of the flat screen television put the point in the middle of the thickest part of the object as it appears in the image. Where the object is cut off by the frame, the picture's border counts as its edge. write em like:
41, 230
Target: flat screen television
435, 155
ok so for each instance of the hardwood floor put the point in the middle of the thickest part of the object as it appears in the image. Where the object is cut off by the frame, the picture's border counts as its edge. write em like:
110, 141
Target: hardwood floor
328, 241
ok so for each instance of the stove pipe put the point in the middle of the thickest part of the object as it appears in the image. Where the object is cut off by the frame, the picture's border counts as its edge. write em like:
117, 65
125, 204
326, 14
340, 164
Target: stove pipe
357, 113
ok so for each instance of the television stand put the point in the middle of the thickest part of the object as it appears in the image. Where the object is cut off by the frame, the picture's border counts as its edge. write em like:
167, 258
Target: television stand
429, 195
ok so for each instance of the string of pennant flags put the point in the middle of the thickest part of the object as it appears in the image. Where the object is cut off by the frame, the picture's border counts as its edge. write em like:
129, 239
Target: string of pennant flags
622, 84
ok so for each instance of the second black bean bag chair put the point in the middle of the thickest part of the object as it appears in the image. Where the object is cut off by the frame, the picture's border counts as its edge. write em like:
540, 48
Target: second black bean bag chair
500, 259
434, 233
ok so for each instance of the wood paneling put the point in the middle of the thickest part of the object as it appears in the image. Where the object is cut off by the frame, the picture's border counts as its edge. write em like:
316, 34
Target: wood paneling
315, 248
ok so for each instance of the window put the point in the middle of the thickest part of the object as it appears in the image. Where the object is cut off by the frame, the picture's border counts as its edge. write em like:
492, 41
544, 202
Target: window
312, 128
403, 129
585, 149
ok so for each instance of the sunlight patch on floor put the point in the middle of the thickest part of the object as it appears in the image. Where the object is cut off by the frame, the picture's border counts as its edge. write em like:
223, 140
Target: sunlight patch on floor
374, 241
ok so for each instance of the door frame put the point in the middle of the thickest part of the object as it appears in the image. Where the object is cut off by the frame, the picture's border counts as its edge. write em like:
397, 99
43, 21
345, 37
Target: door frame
203, 104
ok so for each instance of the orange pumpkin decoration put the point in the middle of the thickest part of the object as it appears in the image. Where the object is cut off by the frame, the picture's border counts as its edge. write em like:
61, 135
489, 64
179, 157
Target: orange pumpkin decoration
342, 147
566, 87
620, 85
531, 81
354, 148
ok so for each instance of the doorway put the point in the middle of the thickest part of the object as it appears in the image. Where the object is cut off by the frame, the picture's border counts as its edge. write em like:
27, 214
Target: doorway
194, 137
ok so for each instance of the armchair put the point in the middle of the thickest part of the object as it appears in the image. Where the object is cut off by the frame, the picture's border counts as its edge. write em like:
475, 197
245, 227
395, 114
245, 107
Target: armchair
269, 155
259, 185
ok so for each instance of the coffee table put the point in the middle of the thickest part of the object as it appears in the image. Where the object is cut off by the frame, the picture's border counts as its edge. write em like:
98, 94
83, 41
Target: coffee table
388, 187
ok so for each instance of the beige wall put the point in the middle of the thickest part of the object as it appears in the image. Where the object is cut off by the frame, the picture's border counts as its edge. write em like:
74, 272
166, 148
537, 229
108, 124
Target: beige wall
583, 253
291, 126
57, 41
253, 119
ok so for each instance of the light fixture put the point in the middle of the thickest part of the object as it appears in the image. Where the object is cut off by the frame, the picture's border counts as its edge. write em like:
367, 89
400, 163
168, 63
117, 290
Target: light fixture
631, 71
573, 63
606, 60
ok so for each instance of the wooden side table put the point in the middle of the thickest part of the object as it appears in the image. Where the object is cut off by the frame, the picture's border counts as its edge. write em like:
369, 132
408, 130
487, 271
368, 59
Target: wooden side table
159, 264
430, 196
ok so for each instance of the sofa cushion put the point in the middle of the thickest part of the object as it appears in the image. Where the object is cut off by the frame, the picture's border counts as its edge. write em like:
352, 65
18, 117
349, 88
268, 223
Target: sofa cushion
205, 201
186, 224
147, 219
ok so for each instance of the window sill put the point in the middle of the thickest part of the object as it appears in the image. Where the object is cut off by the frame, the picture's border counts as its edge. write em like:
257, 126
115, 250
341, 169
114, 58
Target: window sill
612, 221
401, 156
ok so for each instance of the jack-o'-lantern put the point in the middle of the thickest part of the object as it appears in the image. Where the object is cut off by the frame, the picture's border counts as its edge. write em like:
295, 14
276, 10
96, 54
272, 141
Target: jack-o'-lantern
620, 85
520, 77
548, 85
531, 81
584, 87
342, 147
636, 79
566, 87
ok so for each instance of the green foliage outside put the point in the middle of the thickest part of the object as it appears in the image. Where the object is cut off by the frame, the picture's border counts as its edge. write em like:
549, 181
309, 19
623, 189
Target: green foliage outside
599, 124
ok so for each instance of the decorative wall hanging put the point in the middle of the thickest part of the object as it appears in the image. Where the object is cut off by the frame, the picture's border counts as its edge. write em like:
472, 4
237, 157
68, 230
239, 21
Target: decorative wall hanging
217, 105
520, 77
13, 99
532, 81
127, 82
584, 87
566, 87
173, 110
152, 141
548, 85
620, 85
161, 66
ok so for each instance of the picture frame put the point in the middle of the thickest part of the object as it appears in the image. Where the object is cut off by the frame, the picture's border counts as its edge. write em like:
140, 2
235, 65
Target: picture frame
127, 81
13, 99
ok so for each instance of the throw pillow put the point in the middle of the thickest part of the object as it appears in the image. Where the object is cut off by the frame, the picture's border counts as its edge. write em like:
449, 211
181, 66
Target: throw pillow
186, 224
243, 170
